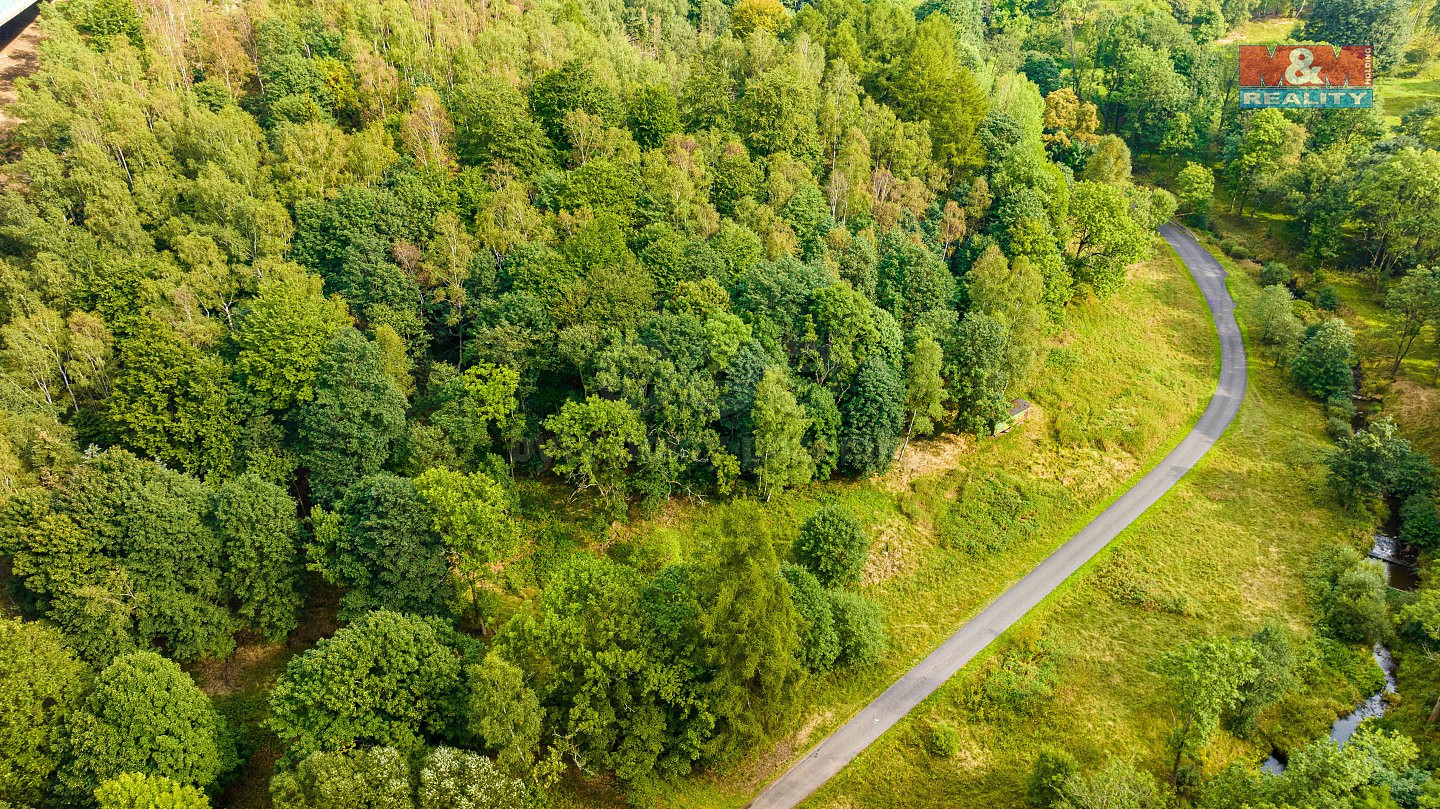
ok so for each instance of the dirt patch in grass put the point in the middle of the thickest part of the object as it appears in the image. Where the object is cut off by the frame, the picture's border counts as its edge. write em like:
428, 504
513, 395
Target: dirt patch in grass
926, 457
219, 678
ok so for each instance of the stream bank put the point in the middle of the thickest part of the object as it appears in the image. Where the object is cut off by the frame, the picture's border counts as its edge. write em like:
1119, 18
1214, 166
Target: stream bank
1344, 727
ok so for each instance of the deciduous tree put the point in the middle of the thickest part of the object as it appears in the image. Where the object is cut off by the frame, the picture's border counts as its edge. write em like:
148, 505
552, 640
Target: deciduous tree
1206, 677
144, 715
504, 712
347, 430
1322, 363
381, 544
781, 458
41, 685
593, 443
260, 536
139, 791
281, 334
402, 689
366, 778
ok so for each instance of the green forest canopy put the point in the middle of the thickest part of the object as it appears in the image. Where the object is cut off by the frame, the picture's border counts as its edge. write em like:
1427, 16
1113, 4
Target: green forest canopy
307, 285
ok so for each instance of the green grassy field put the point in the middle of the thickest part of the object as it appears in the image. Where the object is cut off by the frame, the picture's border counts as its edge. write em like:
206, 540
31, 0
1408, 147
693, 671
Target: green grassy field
1395, 96
1223, 552
1122, 384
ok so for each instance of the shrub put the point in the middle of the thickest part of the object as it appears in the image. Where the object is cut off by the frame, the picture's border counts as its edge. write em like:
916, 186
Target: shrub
1046, 785
1322, 365
819, 642
860, 625
1274, 272
1020, 685
1338, 428
1350, 592
1340, 406
1234, 249
1419, 524
944, 740
1326, 298
1339, 415
833, 545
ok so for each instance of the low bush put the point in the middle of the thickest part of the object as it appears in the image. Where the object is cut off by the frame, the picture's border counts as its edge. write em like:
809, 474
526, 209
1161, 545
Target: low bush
833, 545
1046, 786
943, 741
1419, 523
860, 623
819, 642
1274, 272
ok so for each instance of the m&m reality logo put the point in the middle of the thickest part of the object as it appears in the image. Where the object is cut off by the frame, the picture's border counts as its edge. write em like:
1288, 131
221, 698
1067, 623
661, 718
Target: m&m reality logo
1306, 76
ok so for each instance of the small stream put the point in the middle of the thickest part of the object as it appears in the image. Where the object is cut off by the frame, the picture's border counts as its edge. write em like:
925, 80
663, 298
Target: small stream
1345, 726
1399, 560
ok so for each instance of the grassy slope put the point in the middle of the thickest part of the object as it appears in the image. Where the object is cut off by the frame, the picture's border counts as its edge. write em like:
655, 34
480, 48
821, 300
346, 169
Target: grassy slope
1395, 96
1127, 379
1221, 553
1264, 31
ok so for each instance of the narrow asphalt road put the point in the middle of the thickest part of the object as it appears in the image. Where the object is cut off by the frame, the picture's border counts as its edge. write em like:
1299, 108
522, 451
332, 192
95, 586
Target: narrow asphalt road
837, 749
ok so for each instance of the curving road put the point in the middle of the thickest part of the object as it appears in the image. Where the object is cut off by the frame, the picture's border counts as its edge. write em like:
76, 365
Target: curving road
837, 749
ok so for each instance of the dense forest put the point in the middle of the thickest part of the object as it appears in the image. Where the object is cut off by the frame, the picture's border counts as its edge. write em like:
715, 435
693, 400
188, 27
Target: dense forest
297, 295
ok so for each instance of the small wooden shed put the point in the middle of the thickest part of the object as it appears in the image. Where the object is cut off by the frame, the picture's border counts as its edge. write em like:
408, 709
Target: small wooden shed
1018, 409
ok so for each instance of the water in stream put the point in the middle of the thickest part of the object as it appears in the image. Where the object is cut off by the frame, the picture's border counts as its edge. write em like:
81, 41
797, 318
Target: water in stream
1399, 561
1345, 726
